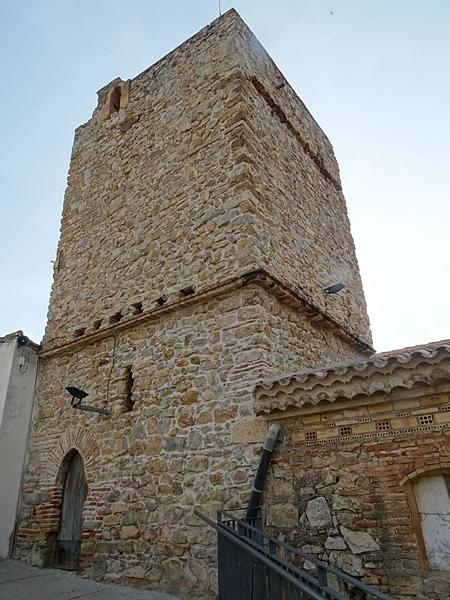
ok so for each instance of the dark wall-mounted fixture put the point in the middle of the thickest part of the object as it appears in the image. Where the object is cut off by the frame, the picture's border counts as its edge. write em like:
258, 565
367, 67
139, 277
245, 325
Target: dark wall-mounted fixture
78, 396
334, 289
22, 340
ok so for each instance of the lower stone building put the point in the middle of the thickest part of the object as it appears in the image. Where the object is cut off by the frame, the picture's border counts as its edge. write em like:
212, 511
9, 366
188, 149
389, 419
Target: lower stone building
361, 478
181, 436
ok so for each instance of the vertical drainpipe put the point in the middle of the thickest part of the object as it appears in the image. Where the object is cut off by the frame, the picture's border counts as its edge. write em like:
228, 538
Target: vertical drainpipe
261, 474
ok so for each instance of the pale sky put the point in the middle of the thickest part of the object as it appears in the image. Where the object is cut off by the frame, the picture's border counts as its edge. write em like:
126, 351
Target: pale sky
375, 74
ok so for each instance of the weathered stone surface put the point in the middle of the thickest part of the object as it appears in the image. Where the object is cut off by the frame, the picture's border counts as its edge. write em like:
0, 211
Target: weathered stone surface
359, 541
348, 563
119, 507
282, 515
250, 430
134, 573
129, 532
172, 200
335, 543
318, 513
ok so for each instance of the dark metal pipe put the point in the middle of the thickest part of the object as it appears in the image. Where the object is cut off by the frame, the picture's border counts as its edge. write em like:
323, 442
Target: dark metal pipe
261, 474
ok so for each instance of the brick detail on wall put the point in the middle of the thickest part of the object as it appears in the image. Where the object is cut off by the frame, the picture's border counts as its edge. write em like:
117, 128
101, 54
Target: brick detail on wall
363, 487
77, 438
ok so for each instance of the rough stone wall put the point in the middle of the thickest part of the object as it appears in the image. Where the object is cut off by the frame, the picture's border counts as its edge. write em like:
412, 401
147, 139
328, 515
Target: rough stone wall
293, 178
197, 179
172, 197
190, 441
347, 502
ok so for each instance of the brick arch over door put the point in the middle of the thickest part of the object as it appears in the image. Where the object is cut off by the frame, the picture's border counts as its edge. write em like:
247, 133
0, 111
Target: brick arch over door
442, 467
75, 438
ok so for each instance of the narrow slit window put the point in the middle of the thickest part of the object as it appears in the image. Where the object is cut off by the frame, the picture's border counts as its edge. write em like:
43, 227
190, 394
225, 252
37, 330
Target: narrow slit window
129, 400
114, 101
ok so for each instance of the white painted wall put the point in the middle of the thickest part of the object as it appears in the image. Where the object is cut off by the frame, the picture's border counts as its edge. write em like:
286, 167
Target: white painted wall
433, 502
18, 366
7, 347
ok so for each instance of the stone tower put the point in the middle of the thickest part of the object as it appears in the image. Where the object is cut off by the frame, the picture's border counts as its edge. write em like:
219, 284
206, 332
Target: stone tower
203, 218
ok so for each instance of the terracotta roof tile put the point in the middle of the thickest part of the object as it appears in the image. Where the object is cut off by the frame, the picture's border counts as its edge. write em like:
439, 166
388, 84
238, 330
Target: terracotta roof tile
382, 371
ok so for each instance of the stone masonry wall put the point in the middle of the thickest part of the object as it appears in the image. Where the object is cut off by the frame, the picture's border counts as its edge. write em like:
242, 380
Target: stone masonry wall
196, 179
190, 441
346, 501
293, 178
201, 170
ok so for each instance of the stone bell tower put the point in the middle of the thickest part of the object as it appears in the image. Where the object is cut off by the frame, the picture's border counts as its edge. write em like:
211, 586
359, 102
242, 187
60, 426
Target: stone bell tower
203, 218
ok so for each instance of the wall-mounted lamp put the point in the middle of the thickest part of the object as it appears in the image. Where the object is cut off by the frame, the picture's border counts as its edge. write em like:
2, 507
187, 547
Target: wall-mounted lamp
334, 289
78, 396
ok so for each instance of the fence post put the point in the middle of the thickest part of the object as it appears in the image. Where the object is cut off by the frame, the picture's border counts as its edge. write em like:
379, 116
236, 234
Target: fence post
322, 576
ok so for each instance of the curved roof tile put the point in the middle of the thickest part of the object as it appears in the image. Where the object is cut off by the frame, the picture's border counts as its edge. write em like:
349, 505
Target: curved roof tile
427, 364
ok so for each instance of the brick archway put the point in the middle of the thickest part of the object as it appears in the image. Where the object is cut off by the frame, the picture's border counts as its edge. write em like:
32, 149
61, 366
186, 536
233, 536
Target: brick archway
40, 535
443, 467
75, 438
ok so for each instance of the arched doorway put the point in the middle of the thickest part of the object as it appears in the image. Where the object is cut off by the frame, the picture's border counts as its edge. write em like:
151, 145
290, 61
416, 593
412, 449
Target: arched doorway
68, 539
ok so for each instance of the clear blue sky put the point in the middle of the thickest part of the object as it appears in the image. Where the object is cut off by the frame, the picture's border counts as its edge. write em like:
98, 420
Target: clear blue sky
374, 73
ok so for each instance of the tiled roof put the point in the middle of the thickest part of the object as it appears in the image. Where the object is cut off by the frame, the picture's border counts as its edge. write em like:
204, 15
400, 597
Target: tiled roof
426, 364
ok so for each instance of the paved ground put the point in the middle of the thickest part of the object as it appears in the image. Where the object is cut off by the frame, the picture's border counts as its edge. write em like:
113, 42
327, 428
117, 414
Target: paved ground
19, 581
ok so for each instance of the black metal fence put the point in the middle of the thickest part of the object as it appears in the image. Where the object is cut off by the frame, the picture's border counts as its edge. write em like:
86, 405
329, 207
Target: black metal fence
254, 565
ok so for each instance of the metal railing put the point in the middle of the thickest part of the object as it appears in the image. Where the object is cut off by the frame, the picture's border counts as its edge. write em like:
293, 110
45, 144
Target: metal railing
253, 565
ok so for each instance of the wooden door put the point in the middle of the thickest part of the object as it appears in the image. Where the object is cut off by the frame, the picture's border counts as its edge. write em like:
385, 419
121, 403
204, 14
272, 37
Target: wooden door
68, 540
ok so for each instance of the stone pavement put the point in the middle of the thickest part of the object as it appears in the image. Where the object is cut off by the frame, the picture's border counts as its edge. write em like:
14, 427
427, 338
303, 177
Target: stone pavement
19, 581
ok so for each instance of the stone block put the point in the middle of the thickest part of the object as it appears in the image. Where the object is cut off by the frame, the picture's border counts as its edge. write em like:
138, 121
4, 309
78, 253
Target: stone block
335, 543
129, 532
248, 431
282, 515
119, 507
364, 428
311, 419
318, 513
359, 541
434, 400
442, 417
380, 407
347, 562
406, 403
134, 573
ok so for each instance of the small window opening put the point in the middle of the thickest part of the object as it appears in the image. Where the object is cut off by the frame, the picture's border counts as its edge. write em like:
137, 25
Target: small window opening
79, 332
115, 318
137, 308
114, 100
129, 401
97, 324
59, 262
